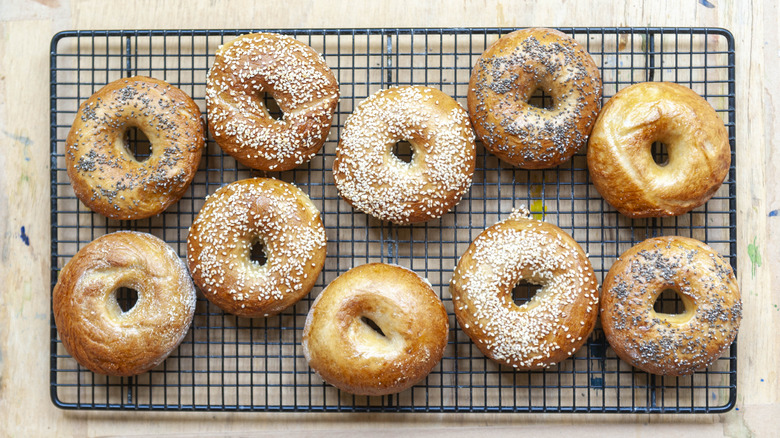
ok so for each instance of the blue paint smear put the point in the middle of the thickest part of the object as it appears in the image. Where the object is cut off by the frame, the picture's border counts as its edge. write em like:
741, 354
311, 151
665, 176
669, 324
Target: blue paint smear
25, 238
25, 141
597, 382
707, 4
773, 213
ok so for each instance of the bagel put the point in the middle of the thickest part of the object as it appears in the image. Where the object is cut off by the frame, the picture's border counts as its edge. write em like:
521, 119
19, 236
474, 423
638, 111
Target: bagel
621, 163
265, 211
105, 176
670, 344
409, 339
559, 317
373, 180
504, 80
295, 76
93, 327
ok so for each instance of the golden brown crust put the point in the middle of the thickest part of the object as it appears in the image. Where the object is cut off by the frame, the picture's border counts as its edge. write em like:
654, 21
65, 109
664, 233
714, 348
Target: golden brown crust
670, 344
374, 181
220, 241
298, 79
90, 322
504, 79
347, 353
105, 175
557, 320
620, 160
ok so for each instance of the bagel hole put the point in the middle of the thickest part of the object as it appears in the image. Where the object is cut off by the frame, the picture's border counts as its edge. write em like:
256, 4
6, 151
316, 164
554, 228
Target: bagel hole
257, 253
126, 298
541, 100
271, 106
524, 292
660, 153
404, 151
370, 323
669, 302
137, 144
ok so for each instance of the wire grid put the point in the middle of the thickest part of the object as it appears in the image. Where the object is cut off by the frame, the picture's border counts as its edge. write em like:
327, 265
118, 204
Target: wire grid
230, 363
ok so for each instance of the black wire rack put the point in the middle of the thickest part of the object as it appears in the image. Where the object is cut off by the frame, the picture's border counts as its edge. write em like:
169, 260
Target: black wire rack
230, 363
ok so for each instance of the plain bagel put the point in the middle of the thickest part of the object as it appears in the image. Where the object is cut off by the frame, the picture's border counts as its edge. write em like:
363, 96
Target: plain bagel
93, 327
407, 339
620, 160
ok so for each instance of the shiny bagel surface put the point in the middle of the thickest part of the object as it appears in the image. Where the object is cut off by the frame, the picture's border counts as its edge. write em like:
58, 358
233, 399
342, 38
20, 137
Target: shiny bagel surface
408, 341
559, 317
265, 211
621, 163
91, 324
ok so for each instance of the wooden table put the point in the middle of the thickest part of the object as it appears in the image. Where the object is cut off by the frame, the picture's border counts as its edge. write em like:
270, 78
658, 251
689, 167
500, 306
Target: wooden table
27, 26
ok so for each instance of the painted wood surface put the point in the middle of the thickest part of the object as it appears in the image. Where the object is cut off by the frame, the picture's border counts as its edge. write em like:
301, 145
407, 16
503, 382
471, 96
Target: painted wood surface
26, 28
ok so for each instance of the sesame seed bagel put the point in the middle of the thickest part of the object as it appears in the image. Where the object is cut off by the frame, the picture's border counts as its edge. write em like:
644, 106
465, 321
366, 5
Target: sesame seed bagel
372, 179
105, 176
91, 324
670, 344
295, 76
621, 163
505, 78
411, 334
558, 318
240, 215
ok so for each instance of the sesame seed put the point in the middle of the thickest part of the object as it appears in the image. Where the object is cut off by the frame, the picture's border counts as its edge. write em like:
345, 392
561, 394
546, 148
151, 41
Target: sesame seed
231, 221
525, 336
298, 79
374, 181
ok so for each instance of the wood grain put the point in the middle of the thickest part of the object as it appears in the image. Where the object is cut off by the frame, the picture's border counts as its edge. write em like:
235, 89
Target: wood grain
26, 27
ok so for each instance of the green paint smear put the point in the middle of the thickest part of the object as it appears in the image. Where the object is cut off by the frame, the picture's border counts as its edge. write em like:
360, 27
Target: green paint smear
755, 256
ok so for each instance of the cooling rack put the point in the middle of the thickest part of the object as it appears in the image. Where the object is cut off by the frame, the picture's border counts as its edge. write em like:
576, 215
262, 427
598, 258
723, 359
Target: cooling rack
230, 363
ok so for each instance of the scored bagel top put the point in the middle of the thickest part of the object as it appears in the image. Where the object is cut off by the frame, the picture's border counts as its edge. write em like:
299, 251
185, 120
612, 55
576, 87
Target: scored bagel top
620, 160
